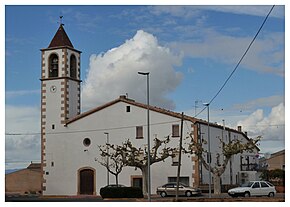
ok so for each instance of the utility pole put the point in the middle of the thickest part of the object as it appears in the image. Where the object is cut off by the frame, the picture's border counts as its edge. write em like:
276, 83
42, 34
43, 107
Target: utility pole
148, 135
208, 153
179, 157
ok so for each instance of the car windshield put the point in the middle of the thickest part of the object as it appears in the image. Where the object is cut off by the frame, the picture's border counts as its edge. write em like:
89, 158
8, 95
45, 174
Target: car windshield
249, 184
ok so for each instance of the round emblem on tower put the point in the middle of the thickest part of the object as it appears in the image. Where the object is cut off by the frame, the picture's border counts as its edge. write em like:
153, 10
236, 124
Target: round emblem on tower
53, 89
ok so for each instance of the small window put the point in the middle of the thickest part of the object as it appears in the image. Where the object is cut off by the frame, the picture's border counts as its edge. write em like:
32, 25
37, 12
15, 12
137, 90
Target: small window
87, 142
47, 173
139, 132
52, 126
175, 158
128, 108
52, 164
175, 130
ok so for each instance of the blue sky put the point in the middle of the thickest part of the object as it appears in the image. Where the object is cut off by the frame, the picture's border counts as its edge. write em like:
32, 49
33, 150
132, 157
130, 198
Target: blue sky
189, 51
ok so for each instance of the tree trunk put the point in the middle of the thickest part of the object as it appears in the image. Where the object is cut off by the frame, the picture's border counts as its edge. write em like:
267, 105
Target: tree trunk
117, 181
217, 184
144, 179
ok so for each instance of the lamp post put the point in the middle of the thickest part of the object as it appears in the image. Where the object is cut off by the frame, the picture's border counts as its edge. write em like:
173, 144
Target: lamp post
148, 135
208, 153
108, 175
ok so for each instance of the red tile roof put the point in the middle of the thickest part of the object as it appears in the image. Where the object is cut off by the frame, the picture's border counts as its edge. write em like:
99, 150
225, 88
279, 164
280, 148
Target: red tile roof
132, 102
60, 39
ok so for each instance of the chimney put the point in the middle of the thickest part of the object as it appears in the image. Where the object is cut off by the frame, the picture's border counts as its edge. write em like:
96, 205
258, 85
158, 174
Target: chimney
239, 128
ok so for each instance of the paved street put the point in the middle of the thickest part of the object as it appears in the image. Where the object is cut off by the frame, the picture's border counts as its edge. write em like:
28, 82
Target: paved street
280, 197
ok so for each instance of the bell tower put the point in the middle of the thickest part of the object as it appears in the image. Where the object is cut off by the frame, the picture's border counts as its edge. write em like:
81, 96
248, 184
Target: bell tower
60, 79
60, 89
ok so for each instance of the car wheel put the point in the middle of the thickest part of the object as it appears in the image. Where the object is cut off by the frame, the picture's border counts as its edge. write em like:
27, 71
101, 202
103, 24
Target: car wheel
163, 194
271, 194
247, 194
188, 193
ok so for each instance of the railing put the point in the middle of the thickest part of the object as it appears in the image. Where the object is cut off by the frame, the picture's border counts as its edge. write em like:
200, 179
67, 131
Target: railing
249, 167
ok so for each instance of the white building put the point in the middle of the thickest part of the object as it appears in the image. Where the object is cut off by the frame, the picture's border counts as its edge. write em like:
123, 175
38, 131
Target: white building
70, 139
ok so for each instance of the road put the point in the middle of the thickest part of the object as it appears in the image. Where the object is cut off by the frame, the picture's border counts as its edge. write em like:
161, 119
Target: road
280, 197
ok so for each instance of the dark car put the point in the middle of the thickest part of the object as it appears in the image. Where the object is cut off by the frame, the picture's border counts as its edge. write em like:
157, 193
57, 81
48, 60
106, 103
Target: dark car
114, 186
170, 189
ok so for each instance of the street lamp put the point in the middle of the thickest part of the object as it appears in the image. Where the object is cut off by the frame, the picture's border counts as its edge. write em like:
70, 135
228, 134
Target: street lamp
148, 135
208, 153
108, 179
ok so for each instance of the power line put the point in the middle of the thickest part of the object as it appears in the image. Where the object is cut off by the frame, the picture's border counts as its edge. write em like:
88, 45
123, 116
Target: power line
89, 130
246, 51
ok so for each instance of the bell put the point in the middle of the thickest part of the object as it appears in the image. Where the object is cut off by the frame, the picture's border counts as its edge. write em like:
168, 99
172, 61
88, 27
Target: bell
54, 66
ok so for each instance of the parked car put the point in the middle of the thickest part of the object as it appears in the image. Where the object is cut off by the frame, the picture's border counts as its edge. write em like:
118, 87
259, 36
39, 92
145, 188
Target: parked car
254, 188
114, 186
170, 189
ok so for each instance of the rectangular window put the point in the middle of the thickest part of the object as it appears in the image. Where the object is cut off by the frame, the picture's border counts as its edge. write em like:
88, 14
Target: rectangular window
184, 180
139, 132
175, 130
52, 126
175, 158
128, 108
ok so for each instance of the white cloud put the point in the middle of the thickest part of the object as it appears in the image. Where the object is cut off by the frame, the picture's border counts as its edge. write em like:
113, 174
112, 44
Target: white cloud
189, 11
116, 72
260, 102
12, 94
266, 54
254, 10
271, 127
176, 11
21, 149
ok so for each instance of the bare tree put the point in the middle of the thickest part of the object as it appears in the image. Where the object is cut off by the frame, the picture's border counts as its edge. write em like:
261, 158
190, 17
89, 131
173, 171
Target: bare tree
129, 155
112, 161
228, 151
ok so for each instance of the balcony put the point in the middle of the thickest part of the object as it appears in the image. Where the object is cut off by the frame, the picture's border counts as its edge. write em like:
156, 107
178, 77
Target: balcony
249, 167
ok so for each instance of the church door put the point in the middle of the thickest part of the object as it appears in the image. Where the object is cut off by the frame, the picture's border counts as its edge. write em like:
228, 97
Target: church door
87, 182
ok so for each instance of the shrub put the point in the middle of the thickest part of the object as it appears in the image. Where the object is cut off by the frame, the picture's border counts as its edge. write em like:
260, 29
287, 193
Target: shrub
121, 192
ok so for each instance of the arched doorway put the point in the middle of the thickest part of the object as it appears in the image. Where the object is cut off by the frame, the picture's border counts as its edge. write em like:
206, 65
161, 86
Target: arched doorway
86, 184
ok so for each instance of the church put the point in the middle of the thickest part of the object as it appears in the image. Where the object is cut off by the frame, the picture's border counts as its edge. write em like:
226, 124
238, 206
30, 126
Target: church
70, 138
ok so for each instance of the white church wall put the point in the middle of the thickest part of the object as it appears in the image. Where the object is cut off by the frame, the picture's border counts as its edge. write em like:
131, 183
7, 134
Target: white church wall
68, 153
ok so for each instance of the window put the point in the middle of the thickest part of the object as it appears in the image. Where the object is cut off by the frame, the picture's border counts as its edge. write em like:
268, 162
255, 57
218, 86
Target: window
128, 108
73, 66
256, 185
175, 130
183, 180
264, 185
139, 132
52, 126
87, 142
53, 66
175, 158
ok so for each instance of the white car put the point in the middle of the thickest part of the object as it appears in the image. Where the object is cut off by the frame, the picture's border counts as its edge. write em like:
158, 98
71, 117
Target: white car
254, 188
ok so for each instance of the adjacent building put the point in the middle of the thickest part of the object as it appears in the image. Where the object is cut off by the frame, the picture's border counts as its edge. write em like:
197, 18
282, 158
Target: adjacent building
25, 181
70, 139
273, 161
